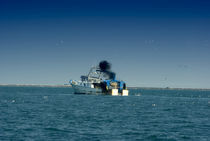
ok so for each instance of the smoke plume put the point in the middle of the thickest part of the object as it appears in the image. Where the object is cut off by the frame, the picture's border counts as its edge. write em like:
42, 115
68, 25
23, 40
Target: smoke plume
105, 67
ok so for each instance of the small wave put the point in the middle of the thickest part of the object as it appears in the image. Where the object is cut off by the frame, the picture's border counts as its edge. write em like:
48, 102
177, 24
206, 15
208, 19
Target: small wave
138, 94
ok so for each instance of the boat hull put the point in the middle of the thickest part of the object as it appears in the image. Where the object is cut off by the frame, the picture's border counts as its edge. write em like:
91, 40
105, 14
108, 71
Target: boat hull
85, 90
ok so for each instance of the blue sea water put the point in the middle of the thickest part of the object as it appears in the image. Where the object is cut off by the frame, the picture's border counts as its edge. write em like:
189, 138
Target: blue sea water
55, 113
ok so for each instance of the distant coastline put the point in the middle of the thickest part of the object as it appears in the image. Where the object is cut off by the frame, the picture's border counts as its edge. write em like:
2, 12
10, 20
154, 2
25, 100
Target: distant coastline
168, 88
33, 85
67, 85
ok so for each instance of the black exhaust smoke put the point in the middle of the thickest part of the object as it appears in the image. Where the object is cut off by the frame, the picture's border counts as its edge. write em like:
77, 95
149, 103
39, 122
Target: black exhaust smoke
105, 67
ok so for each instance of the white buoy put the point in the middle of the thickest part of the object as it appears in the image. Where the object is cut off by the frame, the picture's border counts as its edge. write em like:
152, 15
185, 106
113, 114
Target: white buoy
124, 92
114, 92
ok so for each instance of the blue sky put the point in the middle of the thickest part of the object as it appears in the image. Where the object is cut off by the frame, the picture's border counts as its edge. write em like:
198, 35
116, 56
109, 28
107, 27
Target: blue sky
149, 43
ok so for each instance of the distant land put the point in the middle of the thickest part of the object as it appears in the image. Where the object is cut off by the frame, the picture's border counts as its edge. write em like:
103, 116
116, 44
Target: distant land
33, 85
68, 85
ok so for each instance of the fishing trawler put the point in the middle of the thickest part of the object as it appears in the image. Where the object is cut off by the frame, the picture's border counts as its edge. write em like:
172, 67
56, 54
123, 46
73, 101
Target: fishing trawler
100, 80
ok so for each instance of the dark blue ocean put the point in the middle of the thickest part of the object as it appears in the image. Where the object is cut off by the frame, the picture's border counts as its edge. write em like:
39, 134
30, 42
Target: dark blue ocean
55, 113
